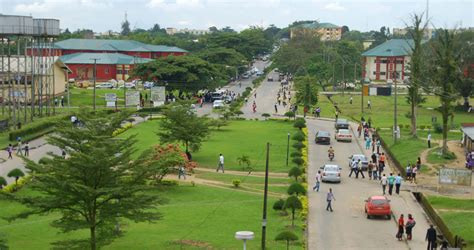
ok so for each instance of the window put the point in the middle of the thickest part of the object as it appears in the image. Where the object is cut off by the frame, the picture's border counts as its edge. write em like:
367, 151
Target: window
382, 73
125, 72
384, 61
374, 73
119, 71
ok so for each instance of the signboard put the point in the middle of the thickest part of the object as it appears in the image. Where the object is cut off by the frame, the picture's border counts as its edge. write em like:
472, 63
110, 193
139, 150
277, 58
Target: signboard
132, 98
110, 99
158, 96
453, 176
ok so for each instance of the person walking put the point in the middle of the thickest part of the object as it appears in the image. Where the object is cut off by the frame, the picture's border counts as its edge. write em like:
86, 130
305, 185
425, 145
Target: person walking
10, 151
374, 157
181, 172
375, 171
408, 171
318, 181
19, 151
359, 169
429, 139
254, 107
370, 168
409, 226
431, 238
276, 107
27, 149
220, 164
418, 163
359, 129
353, 168
378, 143
350, 100
336, 114
369, 104
414, 171
391, 181
384, 182
398, 183
373, 144
329, 199
401, 225
367, 143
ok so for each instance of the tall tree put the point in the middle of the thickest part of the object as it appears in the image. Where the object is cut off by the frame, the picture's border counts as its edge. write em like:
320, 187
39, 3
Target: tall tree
416, 32
465, 45
95, 186
446, 73
125, 28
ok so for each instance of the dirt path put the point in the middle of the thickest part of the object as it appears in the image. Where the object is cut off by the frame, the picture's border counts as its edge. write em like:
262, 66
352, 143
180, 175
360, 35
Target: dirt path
256, 174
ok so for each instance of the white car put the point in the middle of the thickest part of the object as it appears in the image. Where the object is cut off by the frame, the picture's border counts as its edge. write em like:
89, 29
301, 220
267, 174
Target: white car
218, 104
106, 85
331, 173
343, 135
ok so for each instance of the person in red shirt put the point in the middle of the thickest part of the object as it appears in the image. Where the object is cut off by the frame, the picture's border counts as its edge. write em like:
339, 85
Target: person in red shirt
401, 225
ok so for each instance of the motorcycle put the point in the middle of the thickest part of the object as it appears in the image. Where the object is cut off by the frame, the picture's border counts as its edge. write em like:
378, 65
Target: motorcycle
331, 156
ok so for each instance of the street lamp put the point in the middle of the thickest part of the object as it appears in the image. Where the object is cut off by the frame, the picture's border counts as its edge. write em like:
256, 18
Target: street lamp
287, 149
244, 236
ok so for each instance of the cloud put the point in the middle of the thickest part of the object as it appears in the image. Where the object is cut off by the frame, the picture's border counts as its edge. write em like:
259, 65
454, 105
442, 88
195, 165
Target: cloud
34, 7
335, 6
184, 22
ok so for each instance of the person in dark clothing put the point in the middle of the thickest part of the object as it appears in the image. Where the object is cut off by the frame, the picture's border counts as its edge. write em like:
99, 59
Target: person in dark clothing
431, 238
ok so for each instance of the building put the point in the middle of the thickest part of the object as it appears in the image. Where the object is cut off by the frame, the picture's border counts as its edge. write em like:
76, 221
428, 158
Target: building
173, 31
108, 65
403, 32
468, 136
326, 31
388, 60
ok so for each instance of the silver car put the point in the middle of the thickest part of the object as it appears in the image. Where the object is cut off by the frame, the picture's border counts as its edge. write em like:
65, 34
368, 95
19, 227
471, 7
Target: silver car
363, 160
331, 173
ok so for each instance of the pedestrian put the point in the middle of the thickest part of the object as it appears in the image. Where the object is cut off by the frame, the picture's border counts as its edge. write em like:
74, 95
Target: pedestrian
220, 164
418, 163
409, 226
398, 183
431, 237
391, 181
408, 171
370, 168
318, 112
353, 168
375, 171
373, 144
382, 160
336, 113
384, 182
56, 102
414, 171
378, 145
62, 101
329, 199
254, 107
279, 101
350, 100
276, 107
255, 95
429, 139
63, 154
359, 170
367, 143
369, 106
318, 181
27, 149
359, 129
10, 151
181, 172
374, 157
401, 225
19, 151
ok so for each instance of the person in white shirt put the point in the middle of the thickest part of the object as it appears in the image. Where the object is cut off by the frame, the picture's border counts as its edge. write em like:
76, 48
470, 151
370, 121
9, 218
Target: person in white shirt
220, 164
384, 182
318, 181
429, 140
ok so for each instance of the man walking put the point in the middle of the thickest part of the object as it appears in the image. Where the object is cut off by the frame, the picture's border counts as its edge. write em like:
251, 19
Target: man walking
329, 199
398, 183
181, 172
27, 149
378, 143
391, 181
353, 168
318, 181
384, 181
276, 108
220, 164
359, 170
431, 238
10, 151
19, 151
429, 139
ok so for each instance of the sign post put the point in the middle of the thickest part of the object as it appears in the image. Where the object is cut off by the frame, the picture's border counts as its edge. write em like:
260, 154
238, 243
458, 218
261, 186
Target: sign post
110, 99
454, 176
158, 96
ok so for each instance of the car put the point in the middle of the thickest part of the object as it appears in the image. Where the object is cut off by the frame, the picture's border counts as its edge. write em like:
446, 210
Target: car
227, 99
129, 85
246, 76
106, 85
148, 85
216, 96
363, 159
331, 173
259, 73
343, 135
218, 104
341, 124
270, 79
323, 137
378, 206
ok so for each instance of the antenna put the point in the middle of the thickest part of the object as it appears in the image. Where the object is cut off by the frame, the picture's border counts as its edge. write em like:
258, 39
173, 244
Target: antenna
125, 16
427, 9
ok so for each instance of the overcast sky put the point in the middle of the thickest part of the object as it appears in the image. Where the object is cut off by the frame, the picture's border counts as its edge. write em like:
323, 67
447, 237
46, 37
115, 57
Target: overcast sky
103, 15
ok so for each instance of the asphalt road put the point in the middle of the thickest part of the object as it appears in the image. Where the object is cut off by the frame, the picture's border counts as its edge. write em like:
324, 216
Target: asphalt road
347, 227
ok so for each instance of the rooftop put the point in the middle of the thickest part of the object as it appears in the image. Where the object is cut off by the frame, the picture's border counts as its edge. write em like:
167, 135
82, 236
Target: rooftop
102, 58
114, 45
468, 129
316, 25
393, 47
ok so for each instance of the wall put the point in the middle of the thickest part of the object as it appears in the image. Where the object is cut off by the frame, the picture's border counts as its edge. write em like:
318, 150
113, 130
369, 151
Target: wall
105, 72
384, 68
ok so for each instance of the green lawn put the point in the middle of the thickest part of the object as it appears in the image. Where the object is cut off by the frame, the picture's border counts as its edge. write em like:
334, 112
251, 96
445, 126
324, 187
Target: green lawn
85, 97
434, 157
201, 214
440, 202
227, 178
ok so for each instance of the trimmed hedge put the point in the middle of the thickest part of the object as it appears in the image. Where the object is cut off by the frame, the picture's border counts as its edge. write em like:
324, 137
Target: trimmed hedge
30, 130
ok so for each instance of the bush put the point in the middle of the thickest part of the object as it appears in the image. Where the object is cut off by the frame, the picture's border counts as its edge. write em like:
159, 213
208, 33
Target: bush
422, 127
238, 113
428, 127
407, 126
296, 154
236, 183
266, 115
150, 110
290, 114
438, 128
296, 188
298, 145
16, 173
295, 172
166, 182
35, 128
449, 156
279, 204
298, 161
298, 136
122, 129
3, 182
300, 124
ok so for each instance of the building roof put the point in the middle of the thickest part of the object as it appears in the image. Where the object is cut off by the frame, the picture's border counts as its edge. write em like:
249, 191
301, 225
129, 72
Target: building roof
468, 130
316, 25
113, 45
393, 47
102, 58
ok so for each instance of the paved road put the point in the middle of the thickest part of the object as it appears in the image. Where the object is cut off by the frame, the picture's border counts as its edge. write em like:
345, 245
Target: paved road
347, 227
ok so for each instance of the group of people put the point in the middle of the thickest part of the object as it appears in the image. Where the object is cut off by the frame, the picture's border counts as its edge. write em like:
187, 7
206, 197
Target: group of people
59, 102
21, 149
405, 227
412, 170
391, 181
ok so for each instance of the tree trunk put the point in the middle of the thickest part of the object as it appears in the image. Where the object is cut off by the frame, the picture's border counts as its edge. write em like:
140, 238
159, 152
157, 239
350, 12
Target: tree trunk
413, 118
466, 101
292, 217
445, 132
93, 238
287, 244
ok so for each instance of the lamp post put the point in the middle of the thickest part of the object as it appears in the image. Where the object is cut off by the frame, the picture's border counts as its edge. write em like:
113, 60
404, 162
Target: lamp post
395, 125
287, 149
95, 76
244, 236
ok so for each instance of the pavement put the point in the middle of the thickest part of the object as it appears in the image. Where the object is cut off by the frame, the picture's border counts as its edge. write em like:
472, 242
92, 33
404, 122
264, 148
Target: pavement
347, 227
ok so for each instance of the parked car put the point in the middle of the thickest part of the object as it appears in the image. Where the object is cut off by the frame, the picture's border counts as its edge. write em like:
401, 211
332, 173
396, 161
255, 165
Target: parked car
323, 137
378, 206
148, 85
363, 159
106, 85
341, 124
218, 104
216, 96
259, 73
343, 135
270, 79
129, 85
331, 173
246, 76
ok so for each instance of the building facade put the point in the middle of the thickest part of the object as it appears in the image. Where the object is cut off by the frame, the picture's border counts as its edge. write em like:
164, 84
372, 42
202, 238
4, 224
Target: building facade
325, 31
388, 61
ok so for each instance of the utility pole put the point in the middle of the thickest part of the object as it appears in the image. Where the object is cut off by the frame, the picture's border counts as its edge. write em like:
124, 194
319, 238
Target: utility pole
287, 149
264, 219
343, 79
395, 126
95, 76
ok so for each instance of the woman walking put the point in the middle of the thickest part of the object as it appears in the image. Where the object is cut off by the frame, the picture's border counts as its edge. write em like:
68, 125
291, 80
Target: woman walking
409, 226
401, 225
367, 143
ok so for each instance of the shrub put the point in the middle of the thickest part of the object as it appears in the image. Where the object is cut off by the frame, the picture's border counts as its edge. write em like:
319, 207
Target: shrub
287, 236
296, 188
290, 114
16, 173
122, 129
295, 172
298, 136
166, 182
238, 113
266, 115
298, 145
298, 161
35, 128
449, 156
422, 127
279, 204
193, 183
407, 126
428, 127
3, 182
293, 203
438, 128
150, 110
236, 183
296, 154
300, 124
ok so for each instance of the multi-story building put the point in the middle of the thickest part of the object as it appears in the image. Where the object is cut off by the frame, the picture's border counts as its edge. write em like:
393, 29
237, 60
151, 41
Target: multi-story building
326, 31
388, 60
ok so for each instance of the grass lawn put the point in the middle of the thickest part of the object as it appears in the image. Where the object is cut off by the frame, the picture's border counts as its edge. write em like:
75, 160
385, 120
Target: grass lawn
440, 202
85, 97
434, 157
245, 179
201, 214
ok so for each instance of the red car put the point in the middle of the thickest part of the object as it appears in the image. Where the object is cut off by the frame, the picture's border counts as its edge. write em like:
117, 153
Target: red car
378, 206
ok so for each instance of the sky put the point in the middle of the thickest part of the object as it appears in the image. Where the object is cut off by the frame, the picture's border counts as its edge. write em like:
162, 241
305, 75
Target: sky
363, 15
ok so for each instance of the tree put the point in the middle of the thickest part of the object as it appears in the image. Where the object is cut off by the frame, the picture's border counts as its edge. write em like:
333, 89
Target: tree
279, 204
166, 158
16, 173
293, 203
125, 28
298, 161
244, 160
266, 116
95, 187
445, 76
290, 114
224, 56
296, 188
286, 236
300, 124
295, 172
157, 29
3, 182
306, 91
180, 124
465, 45
416, 32
298, 136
